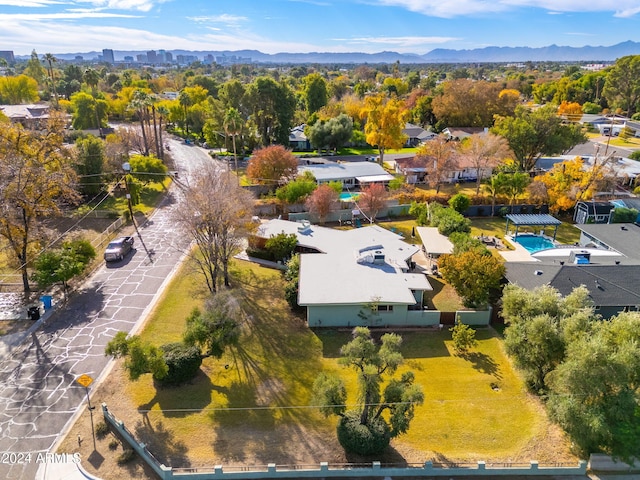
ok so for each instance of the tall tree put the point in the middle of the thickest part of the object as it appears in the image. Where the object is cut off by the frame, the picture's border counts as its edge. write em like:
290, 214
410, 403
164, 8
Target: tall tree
233, 124
484, 152
140, 102
622, 86
36, 179
364, 429
90, 164
315, 92
385, 120
272, 107
534, 133
216, 214
50, 59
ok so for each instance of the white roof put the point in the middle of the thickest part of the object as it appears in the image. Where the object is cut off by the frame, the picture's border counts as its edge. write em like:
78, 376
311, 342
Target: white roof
433, 241
345, 272
332, 171
385, 177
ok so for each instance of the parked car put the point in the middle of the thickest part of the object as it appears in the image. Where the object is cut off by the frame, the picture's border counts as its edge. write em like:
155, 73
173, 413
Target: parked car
118, 249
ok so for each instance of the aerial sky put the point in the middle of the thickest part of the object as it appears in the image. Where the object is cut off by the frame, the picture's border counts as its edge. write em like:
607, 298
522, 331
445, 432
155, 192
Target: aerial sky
300, 26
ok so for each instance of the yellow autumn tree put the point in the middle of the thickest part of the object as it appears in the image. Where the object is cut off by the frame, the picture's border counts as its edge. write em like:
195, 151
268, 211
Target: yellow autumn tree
385, 120
569, 182
572, 111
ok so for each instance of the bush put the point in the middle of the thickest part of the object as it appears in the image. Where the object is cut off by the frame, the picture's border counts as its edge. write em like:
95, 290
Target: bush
459, 202
183, 362
126, 456
113, 444
635, 155
370, 439
102, 429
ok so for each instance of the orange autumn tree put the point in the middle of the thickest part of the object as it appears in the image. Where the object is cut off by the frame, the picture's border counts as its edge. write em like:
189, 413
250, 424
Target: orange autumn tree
572, 111
568, 182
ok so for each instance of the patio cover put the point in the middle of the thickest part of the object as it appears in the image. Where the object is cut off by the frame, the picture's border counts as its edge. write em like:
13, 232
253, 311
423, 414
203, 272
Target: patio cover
530, 219
375, 178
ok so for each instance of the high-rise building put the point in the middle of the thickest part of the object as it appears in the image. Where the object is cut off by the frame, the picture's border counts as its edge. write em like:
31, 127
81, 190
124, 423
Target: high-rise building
152, 56
142, 58
107, 56
8, 56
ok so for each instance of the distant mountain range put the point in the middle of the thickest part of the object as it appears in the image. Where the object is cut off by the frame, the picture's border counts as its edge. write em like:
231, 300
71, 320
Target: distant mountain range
552, 53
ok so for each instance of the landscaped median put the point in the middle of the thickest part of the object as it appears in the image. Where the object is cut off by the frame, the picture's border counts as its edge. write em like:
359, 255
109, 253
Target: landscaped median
252, 407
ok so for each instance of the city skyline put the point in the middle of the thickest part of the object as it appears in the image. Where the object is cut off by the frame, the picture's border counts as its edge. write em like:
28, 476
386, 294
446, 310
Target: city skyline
302, 26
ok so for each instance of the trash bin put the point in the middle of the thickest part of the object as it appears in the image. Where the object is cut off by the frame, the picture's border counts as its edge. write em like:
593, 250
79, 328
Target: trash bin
33, 313
47, 301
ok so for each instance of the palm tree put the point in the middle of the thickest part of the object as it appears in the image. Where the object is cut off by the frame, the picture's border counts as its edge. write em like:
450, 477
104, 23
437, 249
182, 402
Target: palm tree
163, 112
50, 59
233, 126
185, 101
140, 103
92, 77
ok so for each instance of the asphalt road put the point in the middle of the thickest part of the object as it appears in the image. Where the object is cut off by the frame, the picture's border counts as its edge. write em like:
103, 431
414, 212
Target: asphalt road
39, 394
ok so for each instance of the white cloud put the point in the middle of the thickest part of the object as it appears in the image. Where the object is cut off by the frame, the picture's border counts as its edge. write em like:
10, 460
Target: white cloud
403, 44
224, 18
139, 5
457, 8
28, 3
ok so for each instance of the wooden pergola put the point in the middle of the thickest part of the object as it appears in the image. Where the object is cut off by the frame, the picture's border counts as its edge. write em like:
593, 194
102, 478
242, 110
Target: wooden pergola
531, 219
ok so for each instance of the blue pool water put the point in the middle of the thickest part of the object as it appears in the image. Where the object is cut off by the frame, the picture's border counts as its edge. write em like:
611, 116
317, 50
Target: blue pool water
348, 197
534, 243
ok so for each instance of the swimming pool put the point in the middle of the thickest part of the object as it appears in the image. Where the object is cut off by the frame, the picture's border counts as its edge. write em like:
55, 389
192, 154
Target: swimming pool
534, 243
348, 196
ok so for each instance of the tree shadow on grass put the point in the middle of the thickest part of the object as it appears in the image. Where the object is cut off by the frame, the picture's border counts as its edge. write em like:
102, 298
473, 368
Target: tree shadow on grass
182, 400
483, 363
390, 457
162, 443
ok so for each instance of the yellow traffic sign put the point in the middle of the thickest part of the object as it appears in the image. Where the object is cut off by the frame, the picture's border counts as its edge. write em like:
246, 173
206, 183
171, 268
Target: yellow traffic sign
84, 380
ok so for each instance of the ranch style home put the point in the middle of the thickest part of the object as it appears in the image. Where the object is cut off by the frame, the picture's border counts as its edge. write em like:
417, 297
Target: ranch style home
357, 277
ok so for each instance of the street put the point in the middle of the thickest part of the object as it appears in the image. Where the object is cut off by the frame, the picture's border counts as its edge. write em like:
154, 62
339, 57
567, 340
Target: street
39, 394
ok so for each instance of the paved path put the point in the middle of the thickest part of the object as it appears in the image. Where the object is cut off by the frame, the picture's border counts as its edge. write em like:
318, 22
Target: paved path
38, 391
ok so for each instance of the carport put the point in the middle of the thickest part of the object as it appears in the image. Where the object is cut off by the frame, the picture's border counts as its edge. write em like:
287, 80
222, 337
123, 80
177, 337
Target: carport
532, 220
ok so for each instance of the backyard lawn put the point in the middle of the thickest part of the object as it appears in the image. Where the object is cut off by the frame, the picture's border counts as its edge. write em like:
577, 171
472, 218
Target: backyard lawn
253, 405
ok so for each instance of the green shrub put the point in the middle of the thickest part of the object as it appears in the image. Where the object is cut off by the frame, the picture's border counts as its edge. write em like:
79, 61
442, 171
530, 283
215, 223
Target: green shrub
102, 429
370, 439
635, 155
183, 362
113, 444
459, 202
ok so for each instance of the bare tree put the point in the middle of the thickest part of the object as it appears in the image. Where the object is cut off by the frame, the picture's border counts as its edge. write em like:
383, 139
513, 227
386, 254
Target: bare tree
216, 214
442, 159
372, 199
485, 151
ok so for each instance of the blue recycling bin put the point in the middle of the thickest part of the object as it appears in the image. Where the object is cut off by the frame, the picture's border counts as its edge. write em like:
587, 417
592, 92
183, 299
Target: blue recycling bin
47, 301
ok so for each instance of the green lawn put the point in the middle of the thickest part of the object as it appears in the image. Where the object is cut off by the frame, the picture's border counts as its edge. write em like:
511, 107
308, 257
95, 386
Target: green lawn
257, 409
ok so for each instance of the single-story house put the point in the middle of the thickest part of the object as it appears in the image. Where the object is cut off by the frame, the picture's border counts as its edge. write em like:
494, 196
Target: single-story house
29, 115
298, 140
623, 169
458, 133
416, 135
358, 277
414, 168
606, 261
351, 174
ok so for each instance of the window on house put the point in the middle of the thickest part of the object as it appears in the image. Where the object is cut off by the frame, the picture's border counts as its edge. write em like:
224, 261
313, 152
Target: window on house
385, 308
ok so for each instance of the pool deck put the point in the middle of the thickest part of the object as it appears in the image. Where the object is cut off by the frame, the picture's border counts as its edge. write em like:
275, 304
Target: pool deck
520, 254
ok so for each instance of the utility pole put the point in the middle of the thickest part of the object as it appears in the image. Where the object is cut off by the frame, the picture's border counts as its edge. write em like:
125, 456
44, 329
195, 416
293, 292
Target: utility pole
127, 169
